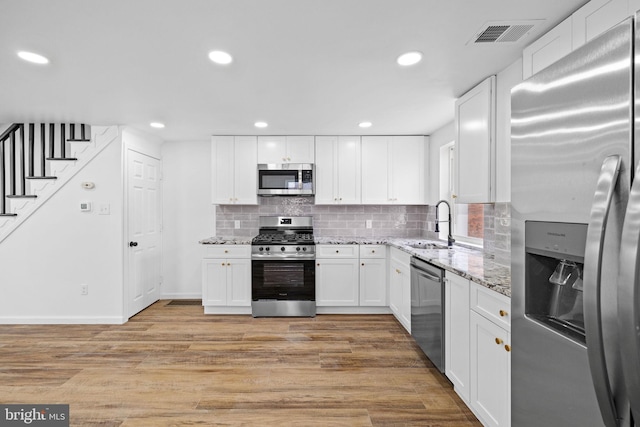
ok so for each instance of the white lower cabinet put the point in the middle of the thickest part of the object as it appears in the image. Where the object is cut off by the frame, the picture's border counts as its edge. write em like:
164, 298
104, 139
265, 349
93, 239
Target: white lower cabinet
400, 287
478, 349
337, 275
373, 275
226, 276
456, 323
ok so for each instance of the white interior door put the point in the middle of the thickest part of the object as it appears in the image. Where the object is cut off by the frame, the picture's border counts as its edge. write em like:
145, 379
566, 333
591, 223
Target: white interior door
143, 231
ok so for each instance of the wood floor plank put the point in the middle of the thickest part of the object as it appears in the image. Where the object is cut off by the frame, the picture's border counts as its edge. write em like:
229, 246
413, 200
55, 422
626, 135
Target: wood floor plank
175, 366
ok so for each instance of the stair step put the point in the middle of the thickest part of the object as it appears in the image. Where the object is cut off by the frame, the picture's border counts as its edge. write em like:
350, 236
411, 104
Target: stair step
41, 177
78, 140
61, 158
21, 196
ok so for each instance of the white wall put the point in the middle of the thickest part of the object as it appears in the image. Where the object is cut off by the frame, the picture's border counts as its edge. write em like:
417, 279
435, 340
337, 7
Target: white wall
189, 216
441, 137
44, 262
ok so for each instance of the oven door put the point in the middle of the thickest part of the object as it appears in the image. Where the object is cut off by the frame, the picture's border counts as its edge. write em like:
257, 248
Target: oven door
281, 279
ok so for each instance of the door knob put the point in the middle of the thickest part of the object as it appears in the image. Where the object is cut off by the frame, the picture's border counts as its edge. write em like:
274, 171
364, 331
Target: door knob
132, 244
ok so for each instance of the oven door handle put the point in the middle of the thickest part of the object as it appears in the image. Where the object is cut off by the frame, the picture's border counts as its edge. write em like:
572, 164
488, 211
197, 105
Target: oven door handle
309, 257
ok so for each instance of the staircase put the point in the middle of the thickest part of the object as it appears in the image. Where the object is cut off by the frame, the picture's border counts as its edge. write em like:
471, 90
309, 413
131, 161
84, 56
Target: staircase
36, 160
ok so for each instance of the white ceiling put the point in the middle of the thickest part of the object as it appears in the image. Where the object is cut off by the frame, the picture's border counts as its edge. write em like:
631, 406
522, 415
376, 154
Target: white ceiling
304, 66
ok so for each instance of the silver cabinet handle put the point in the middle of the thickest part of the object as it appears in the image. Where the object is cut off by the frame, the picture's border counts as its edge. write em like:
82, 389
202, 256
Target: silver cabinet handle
628, 294
600, 208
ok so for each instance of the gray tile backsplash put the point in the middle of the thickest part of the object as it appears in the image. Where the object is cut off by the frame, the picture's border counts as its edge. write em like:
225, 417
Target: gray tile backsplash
328, 220
350, 221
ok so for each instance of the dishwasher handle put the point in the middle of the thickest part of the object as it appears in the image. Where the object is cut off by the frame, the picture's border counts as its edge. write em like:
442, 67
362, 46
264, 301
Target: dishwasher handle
428, 275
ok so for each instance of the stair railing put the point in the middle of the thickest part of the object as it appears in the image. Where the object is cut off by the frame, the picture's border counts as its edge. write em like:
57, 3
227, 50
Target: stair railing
18, 154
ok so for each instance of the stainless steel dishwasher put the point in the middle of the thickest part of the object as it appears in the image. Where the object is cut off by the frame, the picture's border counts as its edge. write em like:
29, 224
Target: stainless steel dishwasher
427, 310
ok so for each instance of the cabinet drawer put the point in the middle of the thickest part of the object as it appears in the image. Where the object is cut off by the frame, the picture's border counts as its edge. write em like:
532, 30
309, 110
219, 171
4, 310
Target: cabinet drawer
492, 305
336, 251
227, 251
373, 251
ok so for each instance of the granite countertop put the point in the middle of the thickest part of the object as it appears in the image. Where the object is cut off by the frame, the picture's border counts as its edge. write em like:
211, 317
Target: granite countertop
472, 264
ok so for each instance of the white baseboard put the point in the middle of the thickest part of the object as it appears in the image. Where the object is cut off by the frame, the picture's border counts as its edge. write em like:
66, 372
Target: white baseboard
181, 296
115, 320
226, 310
353, 310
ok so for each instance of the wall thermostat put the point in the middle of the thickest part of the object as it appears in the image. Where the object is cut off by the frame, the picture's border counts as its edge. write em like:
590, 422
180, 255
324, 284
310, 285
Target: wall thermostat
88, 185
85, 206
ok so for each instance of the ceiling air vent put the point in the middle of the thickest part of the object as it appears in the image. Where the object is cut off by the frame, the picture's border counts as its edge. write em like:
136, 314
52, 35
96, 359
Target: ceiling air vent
503, 32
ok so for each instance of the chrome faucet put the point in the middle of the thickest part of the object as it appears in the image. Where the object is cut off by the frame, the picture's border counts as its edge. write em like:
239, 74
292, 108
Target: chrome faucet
450, 238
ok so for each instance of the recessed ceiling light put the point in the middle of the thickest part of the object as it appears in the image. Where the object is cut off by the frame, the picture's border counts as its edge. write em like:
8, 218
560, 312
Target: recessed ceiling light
365, 124
220, 57
409, 58
156, 125
261, 124
33, 57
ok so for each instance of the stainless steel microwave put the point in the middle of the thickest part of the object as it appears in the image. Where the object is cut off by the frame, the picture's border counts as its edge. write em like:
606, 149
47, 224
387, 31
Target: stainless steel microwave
287, 179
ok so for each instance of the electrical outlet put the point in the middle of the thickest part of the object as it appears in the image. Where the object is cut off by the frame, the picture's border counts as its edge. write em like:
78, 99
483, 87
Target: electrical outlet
84, 289
237, 223
104, 209
369, 223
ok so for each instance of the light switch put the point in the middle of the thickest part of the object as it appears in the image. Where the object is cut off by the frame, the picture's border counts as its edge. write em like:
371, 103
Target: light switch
369, 223
85, 206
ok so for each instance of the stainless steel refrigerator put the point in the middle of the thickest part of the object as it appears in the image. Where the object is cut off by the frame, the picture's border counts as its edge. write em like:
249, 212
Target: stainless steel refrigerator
575, 237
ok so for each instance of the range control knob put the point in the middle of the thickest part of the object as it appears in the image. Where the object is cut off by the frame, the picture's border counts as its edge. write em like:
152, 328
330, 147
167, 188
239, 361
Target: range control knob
298, 249
267, 249
261, 249
304, 249
282, 249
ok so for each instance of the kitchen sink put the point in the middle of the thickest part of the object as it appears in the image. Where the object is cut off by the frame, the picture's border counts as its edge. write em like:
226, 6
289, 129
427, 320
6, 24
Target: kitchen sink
427, 246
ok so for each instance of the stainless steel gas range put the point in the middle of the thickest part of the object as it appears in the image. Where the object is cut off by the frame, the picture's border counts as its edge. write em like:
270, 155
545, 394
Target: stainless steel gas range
283, 275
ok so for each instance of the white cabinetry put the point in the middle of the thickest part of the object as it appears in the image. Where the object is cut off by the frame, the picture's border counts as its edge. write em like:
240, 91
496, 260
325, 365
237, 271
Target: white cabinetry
286, 149
337, 170
475, 144
490, 356
373, 275
337, 281
234, 161
400, 287
393, 170
226, 278
456, 323
596, 17
547, 49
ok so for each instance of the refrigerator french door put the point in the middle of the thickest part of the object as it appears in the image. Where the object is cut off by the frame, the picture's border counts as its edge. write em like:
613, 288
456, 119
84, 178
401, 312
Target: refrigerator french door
575, 236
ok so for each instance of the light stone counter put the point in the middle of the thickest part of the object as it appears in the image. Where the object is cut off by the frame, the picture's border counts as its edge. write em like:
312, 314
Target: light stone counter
472, 264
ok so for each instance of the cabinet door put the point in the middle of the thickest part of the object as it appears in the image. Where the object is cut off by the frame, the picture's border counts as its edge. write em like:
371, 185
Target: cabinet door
348, 170
326, 173
245, 170
490, 372
547, 49
337, 282
596, 17
375, 170
300, 149
457, 362
239, 282
406, 181
405, 307
373, 282
222, 175
395, 287
214, 282
272, 149
475, 144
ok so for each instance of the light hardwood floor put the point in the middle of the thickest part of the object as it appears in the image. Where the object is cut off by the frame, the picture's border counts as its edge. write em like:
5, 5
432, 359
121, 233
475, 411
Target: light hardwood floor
175, 366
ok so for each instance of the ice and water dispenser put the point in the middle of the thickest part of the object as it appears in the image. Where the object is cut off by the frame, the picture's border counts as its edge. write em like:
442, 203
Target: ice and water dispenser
554, 268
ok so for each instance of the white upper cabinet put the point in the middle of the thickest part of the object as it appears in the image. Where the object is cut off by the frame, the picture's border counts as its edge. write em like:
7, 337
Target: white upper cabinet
596, 17
393, 170
337, 170
234, 174
475, 140
547, 49
286, 149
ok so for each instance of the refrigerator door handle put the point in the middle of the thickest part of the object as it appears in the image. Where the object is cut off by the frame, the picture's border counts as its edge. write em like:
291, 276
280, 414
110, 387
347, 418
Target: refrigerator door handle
629, 297
600, 208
